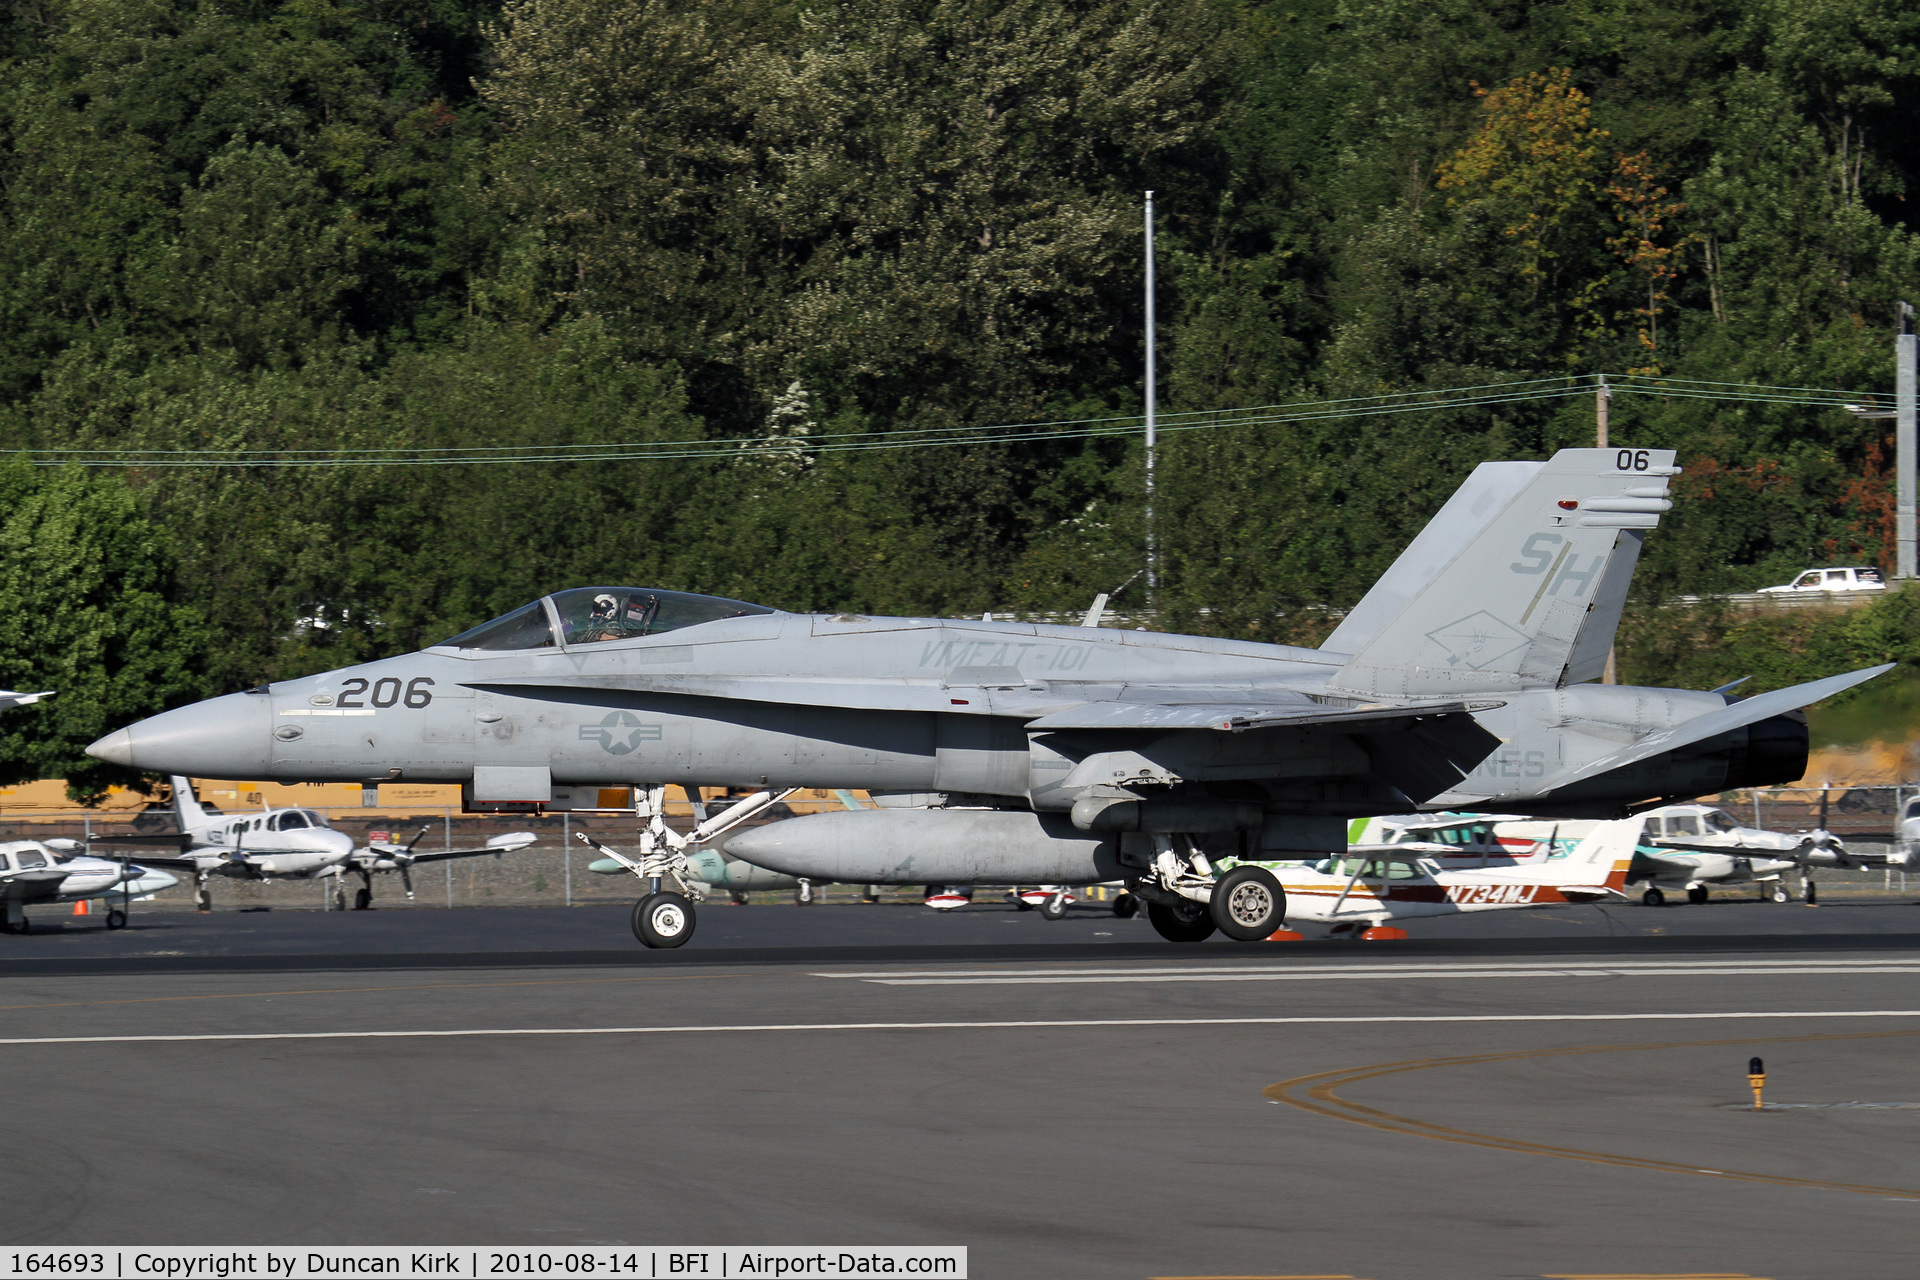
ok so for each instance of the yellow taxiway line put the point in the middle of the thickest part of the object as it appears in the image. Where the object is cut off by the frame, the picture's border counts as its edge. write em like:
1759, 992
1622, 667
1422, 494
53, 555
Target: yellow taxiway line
1321, 1099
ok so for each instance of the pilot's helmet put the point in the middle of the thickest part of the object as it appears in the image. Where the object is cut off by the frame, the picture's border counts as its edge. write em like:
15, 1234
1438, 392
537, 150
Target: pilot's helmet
605, 607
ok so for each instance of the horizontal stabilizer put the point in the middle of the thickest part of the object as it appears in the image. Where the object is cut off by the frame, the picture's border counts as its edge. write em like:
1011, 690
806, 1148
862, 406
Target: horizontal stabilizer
1732, 716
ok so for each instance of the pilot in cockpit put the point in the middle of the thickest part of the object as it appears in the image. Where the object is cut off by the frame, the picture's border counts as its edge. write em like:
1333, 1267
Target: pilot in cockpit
606, 620
603, 620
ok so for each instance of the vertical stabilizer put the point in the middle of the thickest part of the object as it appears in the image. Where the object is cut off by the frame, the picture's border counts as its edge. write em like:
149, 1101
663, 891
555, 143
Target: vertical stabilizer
1605, 856
1526, 596
1473, 506
186, 805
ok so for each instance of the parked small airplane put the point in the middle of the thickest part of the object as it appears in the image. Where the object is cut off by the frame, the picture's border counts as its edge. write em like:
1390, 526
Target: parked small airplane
285, 844
1695, 848
1369, 890
35, 872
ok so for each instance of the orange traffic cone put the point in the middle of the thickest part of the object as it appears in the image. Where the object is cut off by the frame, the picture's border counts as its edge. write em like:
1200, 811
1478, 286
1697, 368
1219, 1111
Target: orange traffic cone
80, 907
1384, 933
1286, 935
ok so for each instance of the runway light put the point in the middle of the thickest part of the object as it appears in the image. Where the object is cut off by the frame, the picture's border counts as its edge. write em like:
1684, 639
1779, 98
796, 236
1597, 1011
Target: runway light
1756, 1079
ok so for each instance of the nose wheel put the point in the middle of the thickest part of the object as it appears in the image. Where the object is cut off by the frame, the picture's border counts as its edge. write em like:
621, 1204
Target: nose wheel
663, 919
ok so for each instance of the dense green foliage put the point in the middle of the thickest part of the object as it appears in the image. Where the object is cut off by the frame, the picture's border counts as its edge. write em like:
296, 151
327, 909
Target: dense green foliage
447, 223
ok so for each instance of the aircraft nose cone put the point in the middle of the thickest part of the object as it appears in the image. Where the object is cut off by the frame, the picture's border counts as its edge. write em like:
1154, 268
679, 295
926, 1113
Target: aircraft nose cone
115, 748
224, 737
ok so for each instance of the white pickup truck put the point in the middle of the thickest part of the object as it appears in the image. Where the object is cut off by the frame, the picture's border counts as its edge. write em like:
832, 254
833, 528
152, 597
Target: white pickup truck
1831, 580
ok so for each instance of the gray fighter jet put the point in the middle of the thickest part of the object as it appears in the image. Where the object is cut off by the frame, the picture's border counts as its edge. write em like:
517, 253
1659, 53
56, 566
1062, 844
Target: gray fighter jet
1014, 753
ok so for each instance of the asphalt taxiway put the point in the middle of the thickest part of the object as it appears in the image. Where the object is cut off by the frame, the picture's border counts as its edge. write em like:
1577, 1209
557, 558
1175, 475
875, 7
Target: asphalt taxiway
1456, 1108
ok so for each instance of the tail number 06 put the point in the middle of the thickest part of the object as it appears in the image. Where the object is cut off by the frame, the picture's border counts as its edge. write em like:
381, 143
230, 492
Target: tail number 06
1630, 460
386, 692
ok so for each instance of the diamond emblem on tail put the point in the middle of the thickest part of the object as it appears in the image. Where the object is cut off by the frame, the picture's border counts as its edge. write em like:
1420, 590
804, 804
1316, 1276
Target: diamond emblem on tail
1477, 640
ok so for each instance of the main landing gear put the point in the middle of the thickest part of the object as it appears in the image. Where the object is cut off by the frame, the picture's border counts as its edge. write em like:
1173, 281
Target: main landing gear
1188, 900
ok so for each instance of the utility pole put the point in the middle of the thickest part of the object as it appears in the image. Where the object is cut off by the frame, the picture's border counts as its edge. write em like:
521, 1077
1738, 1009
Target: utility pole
1903, 406
1602, 402
1153, 558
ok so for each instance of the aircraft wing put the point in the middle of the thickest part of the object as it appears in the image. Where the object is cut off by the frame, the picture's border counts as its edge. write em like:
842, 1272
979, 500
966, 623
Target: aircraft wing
32, 875
1732, 716
178, 839
507, 843
1132, 714
9, 699
1407, 851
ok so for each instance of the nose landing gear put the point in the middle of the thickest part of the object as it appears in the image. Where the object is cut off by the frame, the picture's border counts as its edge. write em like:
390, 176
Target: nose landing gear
664, 916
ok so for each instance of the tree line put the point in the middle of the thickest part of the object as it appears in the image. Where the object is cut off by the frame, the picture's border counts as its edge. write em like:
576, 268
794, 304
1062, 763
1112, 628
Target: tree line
281, 225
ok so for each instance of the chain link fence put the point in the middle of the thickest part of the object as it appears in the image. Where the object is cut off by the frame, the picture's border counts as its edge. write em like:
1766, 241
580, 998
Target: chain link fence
553, 870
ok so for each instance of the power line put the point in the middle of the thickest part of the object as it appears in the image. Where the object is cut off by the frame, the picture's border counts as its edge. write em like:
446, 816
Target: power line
1066, 429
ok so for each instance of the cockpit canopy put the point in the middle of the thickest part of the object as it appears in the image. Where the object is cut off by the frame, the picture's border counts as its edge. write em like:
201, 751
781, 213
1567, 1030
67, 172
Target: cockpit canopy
589, 615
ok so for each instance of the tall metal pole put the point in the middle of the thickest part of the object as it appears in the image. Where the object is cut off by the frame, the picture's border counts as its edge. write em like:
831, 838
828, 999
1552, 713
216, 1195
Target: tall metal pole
1153, 557
1602, 403
1906, 351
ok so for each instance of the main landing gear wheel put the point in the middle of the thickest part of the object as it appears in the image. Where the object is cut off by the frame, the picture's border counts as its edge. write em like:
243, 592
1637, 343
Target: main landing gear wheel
1126, 906
1653, 898
1778, 893
363, 899
803, 894
1810, 895
1697, 895
1248, 904
663, 920
116, 918
1184, 921
1054, 908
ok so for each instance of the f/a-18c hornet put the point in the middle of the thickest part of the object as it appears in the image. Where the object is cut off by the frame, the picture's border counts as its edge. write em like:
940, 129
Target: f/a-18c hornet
1015, 753
284, 844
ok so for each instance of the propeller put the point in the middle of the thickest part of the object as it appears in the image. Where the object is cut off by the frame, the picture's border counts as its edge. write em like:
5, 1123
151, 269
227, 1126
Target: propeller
1821, 838
406, 862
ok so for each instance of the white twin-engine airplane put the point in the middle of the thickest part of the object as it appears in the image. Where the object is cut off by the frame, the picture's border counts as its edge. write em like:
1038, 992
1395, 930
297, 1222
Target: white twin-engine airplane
1369, 890
37, 873
291, 844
